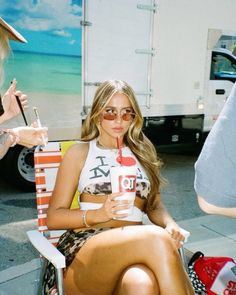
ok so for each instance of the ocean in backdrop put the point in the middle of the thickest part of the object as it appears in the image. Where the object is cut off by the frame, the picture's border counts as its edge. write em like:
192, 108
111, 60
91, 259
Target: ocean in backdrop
52, 84
44, 73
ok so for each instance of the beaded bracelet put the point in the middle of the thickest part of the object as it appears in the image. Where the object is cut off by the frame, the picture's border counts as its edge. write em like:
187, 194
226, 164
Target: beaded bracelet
84, 218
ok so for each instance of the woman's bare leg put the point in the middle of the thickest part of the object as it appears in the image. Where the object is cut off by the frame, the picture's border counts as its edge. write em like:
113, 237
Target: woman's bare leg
137, 279
101, 261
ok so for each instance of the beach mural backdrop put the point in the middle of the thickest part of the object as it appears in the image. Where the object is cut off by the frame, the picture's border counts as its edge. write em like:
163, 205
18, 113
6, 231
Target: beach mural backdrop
48, 67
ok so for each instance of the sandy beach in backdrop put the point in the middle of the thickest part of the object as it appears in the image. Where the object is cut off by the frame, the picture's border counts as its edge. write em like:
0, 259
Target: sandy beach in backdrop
60, 113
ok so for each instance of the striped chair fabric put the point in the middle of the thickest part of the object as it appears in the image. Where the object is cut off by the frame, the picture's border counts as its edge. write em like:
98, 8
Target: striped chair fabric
46, 162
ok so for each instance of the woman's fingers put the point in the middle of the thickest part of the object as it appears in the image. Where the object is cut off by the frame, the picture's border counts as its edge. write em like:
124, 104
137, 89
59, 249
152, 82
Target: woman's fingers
118, 210
114, 195
176, 236
23, 100
12, 87
31, 136
113, 206
120, 205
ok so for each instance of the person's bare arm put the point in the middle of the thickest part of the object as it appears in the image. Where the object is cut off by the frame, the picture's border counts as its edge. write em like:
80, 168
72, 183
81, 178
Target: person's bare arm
160, 216
59, 213
212, 209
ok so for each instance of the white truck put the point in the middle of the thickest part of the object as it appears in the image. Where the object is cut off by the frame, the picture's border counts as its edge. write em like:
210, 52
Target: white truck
177, 55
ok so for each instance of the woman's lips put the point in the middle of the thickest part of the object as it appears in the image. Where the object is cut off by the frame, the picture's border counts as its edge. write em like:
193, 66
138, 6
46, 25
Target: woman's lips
117, 129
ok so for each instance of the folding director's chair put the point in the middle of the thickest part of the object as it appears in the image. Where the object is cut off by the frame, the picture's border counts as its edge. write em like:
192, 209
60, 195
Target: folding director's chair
47, 160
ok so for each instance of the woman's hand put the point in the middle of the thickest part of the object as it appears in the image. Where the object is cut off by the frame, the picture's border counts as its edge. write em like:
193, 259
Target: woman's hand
9, 102
175, 232
111, 207
31, 136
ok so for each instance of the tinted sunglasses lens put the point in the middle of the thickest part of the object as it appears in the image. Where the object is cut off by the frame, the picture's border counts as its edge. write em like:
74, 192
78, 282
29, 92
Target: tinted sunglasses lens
109, 117
113, 116
128, 116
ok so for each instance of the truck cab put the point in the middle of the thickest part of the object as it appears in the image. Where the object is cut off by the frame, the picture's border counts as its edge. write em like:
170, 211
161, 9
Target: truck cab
223, 65
193, 128
222, 76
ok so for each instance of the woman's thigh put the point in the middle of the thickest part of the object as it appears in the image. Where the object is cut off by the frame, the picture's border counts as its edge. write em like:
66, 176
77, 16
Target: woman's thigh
102, 259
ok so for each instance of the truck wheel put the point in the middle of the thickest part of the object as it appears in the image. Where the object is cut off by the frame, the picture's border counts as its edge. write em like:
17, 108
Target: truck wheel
18, 167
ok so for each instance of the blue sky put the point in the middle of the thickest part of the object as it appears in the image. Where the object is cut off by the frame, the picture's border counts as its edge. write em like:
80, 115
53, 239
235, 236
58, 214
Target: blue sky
50, 26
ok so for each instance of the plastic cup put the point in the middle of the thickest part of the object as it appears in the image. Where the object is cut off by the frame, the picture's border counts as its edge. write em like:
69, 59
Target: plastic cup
123, 180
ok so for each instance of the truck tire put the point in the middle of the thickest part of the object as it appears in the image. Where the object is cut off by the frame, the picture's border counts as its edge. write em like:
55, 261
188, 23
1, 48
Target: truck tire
18, 167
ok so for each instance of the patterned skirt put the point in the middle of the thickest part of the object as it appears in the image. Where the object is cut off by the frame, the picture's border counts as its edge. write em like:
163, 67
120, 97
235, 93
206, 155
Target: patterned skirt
69, 245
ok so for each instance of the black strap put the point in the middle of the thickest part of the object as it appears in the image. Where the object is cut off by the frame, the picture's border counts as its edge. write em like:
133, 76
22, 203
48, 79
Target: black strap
195, 256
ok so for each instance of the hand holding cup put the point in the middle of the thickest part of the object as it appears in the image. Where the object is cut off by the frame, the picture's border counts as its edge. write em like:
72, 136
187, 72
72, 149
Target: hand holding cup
123, 181
116, 208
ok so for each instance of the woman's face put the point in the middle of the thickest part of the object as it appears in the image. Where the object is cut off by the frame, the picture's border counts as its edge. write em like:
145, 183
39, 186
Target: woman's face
115, 119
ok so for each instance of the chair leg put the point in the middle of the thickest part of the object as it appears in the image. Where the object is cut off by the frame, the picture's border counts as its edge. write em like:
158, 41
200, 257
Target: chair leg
41, 275
60, 283
183, 257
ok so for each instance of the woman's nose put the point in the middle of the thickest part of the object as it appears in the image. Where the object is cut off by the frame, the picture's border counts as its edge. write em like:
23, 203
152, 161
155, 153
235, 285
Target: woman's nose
118, 118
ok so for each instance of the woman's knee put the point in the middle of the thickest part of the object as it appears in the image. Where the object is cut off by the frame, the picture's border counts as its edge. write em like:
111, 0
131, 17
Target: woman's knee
158, 237
139, 279
159, 245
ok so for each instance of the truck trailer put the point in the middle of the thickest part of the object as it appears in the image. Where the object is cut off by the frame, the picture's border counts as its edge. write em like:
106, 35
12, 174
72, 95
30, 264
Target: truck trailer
177, 55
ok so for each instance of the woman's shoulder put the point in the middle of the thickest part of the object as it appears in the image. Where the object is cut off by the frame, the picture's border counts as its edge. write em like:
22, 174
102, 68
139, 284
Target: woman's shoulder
78, 151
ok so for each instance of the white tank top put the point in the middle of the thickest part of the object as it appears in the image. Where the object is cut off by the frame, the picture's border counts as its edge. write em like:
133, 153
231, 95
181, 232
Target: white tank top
96, 168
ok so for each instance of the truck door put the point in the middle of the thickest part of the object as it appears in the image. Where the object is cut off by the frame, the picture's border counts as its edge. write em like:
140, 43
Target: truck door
222, 78
117, 44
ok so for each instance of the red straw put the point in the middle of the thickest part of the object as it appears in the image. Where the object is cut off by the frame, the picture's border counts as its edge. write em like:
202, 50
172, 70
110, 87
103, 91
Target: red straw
119, 150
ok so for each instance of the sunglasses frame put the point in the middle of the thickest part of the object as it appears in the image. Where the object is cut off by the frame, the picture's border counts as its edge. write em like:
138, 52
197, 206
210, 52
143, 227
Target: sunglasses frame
113, 116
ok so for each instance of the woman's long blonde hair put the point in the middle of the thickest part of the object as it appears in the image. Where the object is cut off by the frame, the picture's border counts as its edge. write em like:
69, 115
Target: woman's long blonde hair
135, 139
4, 51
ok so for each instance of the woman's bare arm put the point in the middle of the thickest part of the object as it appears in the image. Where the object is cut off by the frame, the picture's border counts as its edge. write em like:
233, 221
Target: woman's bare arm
160, 216
59, 214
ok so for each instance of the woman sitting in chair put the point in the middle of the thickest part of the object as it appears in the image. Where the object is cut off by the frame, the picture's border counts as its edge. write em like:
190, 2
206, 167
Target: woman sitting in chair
109, 253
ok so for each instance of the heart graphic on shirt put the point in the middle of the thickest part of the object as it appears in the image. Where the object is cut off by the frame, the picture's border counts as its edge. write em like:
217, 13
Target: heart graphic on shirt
126, 161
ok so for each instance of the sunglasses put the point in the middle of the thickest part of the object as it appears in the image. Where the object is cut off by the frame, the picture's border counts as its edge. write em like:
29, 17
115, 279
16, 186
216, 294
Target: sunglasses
111, 114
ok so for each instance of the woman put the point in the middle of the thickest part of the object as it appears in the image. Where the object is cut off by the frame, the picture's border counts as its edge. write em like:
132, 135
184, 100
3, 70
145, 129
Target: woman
108, 252
27, 136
